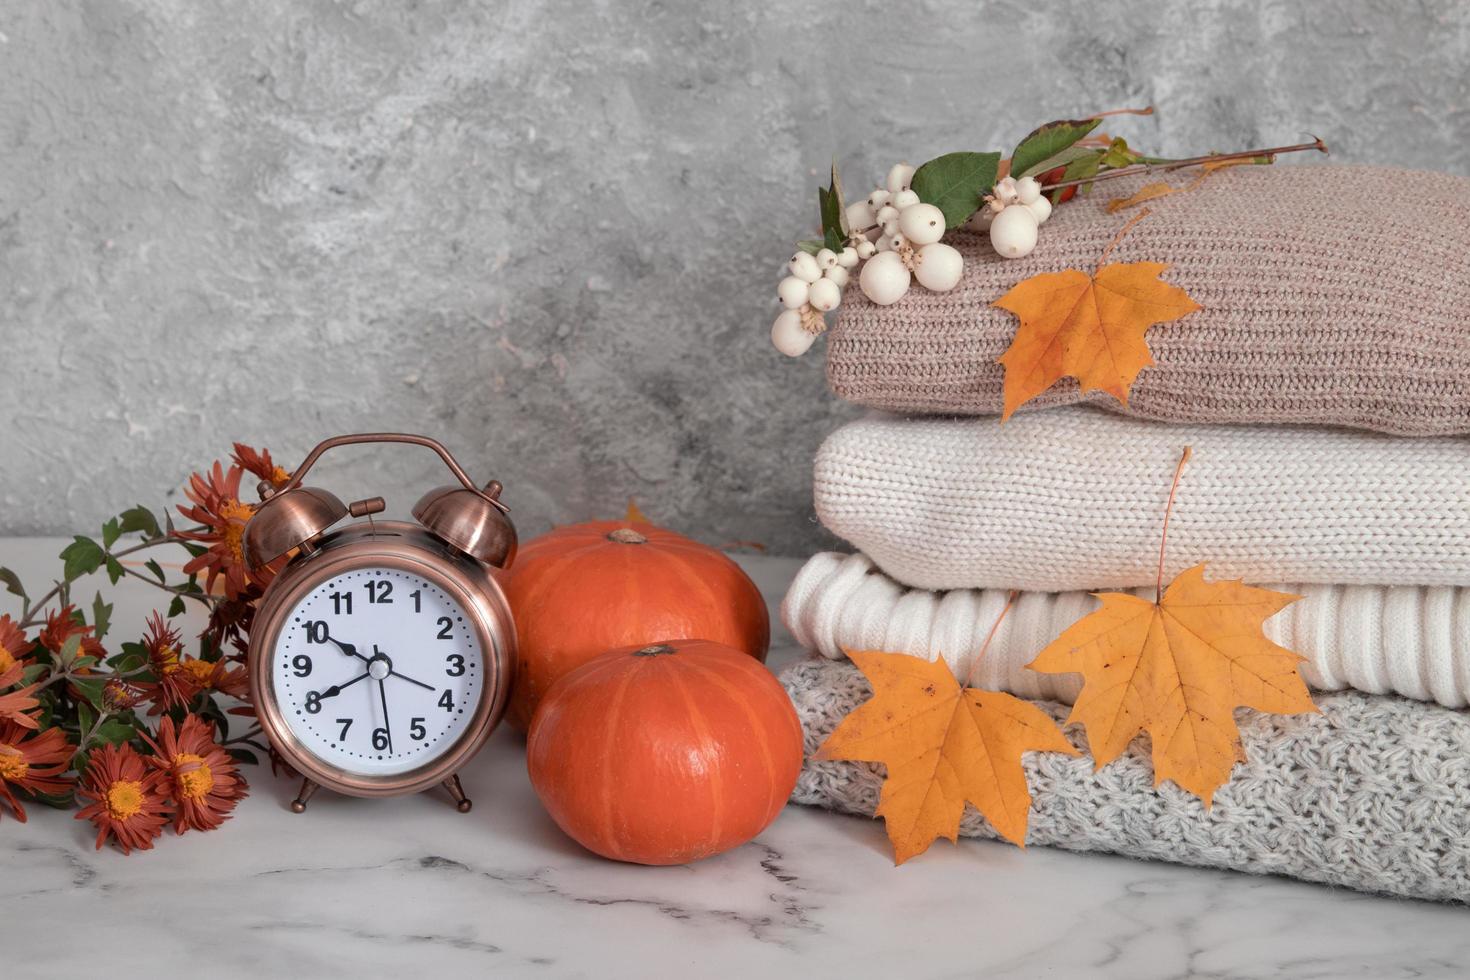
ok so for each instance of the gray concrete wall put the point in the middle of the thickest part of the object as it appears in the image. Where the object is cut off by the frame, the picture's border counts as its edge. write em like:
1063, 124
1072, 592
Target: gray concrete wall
548, 232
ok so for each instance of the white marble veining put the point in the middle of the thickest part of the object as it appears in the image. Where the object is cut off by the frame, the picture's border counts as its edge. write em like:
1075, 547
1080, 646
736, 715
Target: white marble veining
409, 887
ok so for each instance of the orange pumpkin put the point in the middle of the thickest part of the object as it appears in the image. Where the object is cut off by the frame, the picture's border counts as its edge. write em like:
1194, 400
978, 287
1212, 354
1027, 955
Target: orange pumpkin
665, 754
584, 589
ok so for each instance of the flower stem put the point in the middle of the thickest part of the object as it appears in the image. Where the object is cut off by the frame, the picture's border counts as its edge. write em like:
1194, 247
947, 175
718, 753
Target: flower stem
1267, 156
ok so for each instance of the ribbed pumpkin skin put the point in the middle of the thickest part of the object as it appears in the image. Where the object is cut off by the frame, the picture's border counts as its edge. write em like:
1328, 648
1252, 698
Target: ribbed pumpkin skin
576, 593
665, 758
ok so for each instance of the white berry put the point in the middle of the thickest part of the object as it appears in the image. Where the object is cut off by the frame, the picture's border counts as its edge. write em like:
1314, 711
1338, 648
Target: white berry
793, 292
922, 224
904, 199
1041, 208
980, 220
899, 177
885, 278
886, 214
837, 274
877, 199
788, 335
1013, 232
859, 216
939, 267
848, 258
825, 295
826, 258
865, 249
1027, 190
804, 266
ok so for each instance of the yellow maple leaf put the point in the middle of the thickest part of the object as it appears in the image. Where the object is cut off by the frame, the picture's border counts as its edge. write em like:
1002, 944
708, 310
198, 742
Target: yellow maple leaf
1177, 668
1090, 327
944, 745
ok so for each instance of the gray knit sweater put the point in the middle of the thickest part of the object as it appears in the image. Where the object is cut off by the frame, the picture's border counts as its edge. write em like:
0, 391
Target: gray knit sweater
1372, 794
1335, 295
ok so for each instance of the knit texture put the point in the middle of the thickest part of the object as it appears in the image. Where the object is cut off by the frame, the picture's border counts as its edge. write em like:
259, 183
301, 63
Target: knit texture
1334, 295
1074, 499
1408, 640
1372, 794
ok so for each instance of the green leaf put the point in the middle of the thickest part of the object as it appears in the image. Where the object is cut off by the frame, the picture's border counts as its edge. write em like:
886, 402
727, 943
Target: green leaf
1081, 167
244, 755
139, 518
1065, 157
1047, 141
110, 533
176, 608
955, 183
1118, 155
33, 673
79, 762
101, 615
811, 246
82, 557
69, 650
115, 571
85, 718
156, 569
91, 688
12, 583
115, 731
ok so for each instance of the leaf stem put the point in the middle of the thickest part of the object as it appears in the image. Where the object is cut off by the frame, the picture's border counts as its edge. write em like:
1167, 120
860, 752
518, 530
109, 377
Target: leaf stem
1154, 168
1103, 259
984, 646
1168, 511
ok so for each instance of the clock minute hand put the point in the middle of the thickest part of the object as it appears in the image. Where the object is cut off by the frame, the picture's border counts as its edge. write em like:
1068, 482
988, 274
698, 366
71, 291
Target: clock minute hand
387, 725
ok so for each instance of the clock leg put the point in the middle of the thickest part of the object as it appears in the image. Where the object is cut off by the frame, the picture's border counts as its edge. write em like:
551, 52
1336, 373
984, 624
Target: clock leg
461, 802
298, 805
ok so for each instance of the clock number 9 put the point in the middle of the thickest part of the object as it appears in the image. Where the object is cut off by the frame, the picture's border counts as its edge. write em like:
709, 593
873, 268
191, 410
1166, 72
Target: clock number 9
301, 665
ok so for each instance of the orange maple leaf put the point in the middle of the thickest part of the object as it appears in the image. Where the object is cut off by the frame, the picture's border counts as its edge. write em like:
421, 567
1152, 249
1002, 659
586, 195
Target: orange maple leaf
1090, 327
1177, 668
944, 746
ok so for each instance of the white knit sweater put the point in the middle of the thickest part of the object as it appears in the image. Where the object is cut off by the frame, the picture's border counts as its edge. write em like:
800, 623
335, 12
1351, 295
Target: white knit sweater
1073, 498
1413, 641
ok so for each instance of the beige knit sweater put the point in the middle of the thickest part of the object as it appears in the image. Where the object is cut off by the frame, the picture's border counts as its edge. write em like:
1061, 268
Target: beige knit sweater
1337, 295
1074, 498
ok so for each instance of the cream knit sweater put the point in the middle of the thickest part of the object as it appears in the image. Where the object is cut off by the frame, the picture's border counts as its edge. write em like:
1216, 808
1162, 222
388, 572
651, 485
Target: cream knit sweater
1408, 640
1073, 498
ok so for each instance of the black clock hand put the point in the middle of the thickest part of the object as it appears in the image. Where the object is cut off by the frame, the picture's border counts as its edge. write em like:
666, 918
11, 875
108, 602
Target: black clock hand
405, 677
387, 725
348, 648
337, 689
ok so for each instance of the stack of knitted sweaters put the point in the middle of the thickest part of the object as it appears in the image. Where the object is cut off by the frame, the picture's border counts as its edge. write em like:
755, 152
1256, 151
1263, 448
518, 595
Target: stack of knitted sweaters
1324, 388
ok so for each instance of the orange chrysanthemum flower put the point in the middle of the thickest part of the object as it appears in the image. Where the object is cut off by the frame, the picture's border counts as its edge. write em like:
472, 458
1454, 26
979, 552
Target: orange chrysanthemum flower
62, 626
32, 763
260, 464
14, 647
202, 779
218, 675
120, 695
13, 706
218, 507
172, 685
127, 797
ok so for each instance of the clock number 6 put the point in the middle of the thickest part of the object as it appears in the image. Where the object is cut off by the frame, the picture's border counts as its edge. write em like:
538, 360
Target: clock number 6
380, 738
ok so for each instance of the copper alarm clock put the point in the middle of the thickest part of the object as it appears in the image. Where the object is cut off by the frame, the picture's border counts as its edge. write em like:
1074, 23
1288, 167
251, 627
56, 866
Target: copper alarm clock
382, 654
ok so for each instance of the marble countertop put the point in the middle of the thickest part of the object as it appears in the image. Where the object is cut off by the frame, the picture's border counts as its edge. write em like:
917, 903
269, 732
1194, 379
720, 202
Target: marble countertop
409, 887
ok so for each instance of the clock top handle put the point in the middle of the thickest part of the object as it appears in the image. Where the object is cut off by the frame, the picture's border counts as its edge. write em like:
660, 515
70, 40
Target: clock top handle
491, 492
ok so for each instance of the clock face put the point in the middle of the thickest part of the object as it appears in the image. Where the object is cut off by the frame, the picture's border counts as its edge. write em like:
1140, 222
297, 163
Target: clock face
378, 671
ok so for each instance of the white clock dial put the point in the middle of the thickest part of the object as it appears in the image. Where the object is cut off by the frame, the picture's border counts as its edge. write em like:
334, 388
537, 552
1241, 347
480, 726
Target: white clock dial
378, 671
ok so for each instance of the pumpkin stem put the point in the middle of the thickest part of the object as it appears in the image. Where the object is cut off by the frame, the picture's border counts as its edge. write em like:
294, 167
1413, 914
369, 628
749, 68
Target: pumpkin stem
657, 650
626, 535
